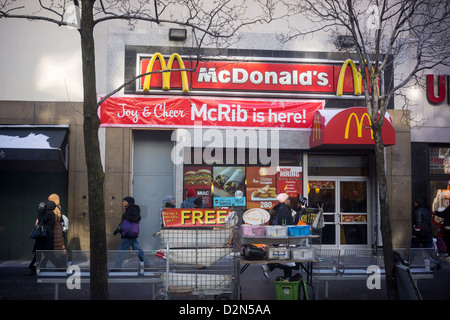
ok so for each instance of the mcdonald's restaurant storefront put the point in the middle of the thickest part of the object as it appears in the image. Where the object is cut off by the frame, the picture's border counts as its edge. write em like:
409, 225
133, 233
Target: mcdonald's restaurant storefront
241, 129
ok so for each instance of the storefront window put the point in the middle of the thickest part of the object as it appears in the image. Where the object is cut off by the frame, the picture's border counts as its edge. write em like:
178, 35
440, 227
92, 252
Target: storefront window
439, 160
245, 186
335, 165
440, 195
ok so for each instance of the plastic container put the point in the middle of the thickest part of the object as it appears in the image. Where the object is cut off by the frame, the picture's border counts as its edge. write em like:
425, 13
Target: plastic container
278, 253
302, 254
287, 290
253, 231
305, 230
276, 231
294, 231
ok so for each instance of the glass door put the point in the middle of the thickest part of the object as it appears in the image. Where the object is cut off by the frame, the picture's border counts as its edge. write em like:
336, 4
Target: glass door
322, 193
353, 212
345, 205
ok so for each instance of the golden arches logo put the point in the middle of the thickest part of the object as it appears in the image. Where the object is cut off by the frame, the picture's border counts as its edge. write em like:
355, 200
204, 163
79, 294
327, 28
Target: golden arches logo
359, 124
316, 132
357, 78
166, 74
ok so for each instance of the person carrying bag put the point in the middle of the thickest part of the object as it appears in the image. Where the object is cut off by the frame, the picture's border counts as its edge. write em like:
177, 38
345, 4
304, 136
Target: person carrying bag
129, 230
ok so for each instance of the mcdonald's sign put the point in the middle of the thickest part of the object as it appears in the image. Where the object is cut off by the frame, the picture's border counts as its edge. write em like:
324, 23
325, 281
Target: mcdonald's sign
165, 70
356, 78
317, 128
247, 76
347, 126
359, 124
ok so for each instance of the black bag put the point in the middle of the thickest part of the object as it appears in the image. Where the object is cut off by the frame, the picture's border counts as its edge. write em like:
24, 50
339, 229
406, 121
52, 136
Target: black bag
38, 231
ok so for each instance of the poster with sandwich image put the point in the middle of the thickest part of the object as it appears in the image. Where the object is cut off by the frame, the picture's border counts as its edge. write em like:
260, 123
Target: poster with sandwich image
261, 187
228, 186
200, 179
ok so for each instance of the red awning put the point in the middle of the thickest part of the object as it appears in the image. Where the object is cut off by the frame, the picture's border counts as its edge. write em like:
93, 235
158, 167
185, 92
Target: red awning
349, 126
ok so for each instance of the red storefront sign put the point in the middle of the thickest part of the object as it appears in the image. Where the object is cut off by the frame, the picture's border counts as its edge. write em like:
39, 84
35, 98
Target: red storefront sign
243, 76
182, 112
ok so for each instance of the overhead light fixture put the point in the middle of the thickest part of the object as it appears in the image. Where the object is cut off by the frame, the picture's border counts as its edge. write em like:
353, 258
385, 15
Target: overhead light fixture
177, 34
345, 42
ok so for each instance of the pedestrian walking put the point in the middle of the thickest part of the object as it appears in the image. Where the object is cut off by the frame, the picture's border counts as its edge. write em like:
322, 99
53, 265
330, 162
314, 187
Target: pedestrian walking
421, 233
57, 228
47, 219
129, 230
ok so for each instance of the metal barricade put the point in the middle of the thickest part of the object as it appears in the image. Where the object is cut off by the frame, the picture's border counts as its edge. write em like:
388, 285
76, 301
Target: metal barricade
199, 261
51, 262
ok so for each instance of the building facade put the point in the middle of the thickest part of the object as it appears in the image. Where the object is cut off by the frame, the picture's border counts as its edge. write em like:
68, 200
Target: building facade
242, 121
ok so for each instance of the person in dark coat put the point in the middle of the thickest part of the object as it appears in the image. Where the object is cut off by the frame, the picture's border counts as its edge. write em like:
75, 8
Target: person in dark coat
421, 233
132, 213
446, 226
46, 216
283, 213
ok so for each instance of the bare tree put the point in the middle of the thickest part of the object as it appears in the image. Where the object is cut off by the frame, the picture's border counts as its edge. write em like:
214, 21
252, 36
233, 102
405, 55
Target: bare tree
212, 22
382, 34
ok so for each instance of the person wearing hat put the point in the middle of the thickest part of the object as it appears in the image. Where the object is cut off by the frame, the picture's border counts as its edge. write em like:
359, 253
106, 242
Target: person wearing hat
131, 213
168, 202
421, 233
283, 213
191, 195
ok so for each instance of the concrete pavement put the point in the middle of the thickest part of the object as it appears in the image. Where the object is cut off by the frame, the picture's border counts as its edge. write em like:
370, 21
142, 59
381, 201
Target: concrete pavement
14, 285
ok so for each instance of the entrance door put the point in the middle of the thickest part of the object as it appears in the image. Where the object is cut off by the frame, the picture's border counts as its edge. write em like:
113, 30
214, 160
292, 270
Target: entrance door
152, 180
346, 209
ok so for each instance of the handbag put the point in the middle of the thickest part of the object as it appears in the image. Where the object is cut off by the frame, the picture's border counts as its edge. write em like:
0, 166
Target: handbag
38, 231
130, 229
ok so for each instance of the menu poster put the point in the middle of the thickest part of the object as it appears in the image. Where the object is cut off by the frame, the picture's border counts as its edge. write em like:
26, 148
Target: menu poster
261, 187
200, 179
290, 180
229, 186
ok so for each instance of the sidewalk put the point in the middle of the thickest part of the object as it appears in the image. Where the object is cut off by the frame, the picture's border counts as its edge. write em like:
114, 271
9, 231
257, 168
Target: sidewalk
14, 285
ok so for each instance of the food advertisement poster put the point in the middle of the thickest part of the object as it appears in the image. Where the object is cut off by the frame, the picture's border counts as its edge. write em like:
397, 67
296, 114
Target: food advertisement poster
229, 186
290, 180
354, 218
321, 185
194, 217
200, 179
261, 187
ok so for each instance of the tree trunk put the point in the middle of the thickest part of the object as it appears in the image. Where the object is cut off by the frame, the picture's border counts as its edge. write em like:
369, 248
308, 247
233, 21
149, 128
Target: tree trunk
385, 224
91, 124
